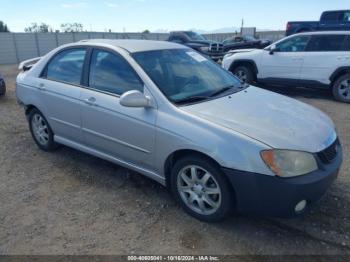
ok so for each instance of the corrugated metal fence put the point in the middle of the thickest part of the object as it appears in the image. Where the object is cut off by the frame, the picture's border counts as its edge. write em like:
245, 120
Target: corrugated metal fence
16, 47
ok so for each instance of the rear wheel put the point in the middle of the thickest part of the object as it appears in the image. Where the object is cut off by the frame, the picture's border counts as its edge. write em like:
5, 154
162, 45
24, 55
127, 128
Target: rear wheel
41, 131
341, 88
245, 74
201, 189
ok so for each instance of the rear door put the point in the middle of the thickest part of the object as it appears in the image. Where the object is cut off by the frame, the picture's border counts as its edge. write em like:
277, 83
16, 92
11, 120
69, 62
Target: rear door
127, 134
285, 63
60, 87
324, 55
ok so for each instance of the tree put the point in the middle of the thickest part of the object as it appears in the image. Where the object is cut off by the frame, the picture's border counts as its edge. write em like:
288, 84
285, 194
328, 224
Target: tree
72, 27
38, 28
3, 27
146, 32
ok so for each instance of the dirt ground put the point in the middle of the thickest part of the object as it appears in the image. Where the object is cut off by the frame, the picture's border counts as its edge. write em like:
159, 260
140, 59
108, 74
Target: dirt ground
67, 202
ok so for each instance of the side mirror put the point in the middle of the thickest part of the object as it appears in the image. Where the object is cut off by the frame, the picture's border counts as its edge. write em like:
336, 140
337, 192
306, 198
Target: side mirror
273, 49
134, 98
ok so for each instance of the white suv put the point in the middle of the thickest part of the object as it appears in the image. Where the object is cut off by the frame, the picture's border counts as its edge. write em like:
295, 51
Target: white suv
314, 59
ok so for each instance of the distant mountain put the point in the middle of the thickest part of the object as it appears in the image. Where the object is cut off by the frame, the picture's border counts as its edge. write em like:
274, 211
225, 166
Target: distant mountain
201, 31
215, 31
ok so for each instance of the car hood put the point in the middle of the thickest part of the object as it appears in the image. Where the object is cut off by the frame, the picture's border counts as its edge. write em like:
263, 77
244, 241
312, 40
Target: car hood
244, 50
275, 120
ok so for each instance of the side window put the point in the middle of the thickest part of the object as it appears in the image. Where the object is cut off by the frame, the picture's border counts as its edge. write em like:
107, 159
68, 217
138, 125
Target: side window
294, 44
111, 73
238, 39
346, 17
330, 17
177, 39
324, 43
67, 66
346, 44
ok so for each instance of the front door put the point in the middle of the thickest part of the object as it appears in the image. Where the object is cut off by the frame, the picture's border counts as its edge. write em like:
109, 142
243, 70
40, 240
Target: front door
286, 61
127, 134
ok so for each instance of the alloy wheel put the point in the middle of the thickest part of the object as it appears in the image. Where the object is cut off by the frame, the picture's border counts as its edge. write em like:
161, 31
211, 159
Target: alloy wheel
241, 74
344, 89
40, 129
199, 190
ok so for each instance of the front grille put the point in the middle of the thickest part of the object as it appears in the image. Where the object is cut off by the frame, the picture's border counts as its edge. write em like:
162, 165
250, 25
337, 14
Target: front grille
216, 48
330, 153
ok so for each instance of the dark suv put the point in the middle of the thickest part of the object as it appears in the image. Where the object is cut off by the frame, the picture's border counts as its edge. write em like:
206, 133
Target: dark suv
2, 86
199, 43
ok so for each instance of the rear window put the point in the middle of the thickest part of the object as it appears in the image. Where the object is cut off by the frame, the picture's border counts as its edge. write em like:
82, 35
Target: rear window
324, 43
66, 66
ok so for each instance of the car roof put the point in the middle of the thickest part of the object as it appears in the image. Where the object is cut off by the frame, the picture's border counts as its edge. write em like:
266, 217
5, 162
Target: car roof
133, 46
326, 33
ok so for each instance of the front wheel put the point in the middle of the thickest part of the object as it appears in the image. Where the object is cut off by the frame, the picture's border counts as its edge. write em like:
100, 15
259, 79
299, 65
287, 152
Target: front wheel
341, 88
245, 74
201, 189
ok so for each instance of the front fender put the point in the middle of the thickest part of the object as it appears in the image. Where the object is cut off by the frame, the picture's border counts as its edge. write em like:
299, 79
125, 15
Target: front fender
228, 148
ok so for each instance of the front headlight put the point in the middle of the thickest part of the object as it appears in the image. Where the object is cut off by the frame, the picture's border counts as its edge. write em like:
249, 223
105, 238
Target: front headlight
286, 163
204, 49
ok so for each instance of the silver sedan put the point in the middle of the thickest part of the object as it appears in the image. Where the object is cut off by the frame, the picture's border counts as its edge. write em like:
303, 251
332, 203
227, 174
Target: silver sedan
171, 114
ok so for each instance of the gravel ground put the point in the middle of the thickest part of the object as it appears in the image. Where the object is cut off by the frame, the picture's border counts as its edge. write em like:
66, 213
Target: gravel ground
67, 202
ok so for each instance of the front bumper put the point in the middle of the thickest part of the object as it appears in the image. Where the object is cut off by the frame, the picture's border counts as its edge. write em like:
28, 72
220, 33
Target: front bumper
264, 195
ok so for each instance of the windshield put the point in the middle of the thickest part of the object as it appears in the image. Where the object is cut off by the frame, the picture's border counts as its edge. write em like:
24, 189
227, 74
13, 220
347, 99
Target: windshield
250, 38
195, 36
184, 75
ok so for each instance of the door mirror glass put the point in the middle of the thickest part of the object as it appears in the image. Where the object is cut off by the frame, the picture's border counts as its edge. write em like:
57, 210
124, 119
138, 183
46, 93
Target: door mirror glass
134, 98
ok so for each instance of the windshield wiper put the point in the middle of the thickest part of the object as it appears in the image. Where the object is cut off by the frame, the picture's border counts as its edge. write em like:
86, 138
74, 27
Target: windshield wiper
221, 91
191, 99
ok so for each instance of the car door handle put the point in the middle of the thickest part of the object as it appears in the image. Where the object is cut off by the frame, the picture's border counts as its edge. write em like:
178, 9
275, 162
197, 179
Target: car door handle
90, 101
42, 87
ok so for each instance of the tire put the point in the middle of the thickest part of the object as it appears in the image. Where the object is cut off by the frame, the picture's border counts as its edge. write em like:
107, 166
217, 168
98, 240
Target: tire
245, 74
2, 89
341, 88
41, 131
194, 196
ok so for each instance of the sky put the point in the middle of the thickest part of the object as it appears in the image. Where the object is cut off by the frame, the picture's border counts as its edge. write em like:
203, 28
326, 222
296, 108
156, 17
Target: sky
139, 15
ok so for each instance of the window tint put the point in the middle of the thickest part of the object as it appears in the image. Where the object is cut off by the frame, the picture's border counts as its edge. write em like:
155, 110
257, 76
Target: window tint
294, 44
346, 17
177, 39
67, 66
330, 17
238, 39
346, 44
321, 43
111, 73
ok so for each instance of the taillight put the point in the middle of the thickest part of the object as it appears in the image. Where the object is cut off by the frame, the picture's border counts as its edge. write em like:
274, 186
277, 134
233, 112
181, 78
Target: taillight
288, 26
